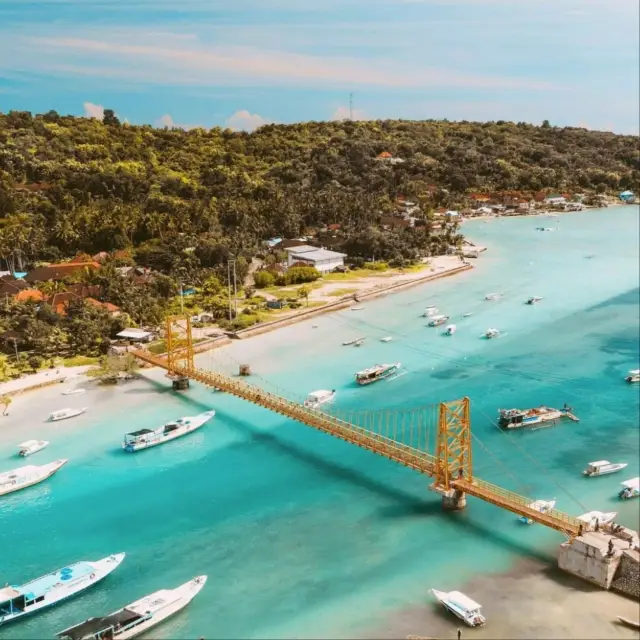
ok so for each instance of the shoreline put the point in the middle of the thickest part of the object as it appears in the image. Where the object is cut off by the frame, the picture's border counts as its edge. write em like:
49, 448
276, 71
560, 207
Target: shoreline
347, 301
532, 599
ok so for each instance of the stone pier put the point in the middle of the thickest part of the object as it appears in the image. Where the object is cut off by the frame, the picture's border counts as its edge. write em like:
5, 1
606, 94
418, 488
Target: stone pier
181, 383
452, 499
606, 558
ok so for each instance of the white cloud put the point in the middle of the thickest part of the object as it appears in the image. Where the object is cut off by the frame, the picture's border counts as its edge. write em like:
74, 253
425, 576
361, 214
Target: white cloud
245, 121
93, 110
166, 121
343, 113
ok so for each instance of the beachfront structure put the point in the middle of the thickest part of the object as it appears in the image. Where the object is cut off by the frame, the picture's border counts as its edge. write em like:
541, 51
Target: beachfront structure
555, 198
322, 259
628, 197
138, 335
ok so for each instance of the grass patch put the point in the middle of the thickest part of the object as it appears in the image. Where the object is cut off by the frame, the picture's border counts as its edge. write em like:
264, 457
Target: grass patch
157, 348
79, 361
338, 293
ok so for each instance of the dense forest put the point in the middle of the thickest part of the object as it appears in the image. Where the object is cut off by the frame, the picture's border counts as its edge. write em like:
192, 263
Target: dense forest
180, 203
72, 184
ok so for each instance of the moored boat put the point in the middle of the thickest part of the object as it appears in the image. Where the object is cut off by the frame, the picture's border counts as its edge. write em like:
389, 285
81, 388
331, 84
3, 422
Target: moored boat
450, 330
519, 418
348, 343
461, 606
138, 617
31, 446
358, 343
593, 519
387, 339
63, 414
27, 476
436, 321
634, 624
430, 311
146, 438
357, 308
534, 300
491, 333
634, 376
73, 392
631, 489
52, 588
603, 468
539, 505
377, 372
492, 296
318, 398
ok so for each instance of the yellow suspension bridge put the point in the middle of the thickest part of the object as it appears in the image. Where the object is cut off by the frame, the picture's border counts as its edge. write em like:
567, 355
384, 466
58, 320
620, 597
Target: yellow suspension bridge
399, 436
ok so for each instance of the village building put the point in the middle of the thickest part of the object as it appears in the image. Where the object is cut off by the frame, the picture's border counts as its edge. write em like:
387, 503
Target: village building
323, 260
59, 271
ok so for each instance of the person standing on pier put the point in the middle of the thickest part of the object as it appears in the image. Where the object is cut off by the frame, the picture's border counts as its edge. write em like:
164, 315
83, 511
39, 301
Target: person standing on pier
459, 634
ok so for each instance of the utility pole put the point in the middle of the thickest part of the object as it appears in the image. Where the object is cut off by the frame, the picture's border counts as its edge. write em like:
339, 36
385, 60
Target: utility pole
235, 289
351, 106
181, 300
229, 287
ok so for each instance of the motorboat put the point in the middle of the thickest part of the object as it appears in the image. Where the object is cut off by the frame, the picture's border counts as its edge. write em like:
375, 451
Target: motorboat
450, 330
430, 311
603, 468
52, 588
63, 414
387, 339
357, 308
543, 506
138, 617
634, 376
492, 296
534, 300
377, 372
491, 333
348, 343
519, 418
467, 315
318, 398
358, 343
631, 489
146, 438
28, 476
593, 519
31, 446
436, 321
461, 606
73, 392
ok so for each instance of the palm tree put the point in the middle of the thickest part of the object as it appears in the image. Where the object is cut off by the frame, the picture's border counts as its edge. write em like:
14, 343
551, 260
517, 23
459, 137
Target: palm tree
5, 401
304, 292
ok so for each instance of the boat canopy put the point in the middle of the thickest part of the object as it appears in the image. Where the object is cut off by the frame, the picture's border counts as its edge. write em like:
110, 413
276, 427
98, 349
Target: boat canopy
633, 484
463, 601
319, 395
8, 593
94, 626
599, 463
140, 432
634, 372
29, 443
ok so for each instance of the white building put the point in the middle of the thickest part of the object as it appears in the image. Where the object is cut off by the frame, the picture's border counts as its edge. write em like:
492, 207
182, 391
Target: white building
322, 259
555, 200
139, 335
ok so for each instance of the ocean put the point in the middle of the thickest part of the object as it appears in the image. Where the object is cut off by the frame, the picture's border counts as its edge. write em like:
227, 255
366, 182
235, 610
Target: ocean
303, 535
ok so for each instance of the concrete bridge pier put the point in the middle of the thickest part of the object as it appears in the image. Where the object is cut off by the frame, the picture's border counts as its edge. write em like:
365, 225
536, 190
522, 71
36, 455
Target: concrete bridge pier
181, 383
454, 500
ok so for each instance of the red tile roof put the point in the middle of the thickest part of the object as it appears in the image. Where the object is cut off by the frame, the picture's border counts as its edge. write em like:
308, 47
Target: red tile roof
107, 306
59, 271
29, 294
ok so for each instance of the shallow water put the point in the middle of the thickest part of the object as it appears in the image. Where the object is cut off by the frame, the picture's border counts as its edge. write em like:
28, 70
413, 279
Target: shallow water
303, 535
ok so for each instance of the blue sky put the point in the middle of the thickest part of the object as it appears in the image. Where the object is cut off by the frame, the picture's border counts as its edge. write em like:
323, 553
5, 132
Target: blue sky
241, 63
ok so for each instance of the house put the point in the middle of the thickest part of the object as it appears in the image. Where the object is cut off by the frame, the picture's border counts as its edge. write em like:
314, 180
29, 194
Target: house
385, 156
272, 242
555, 198
59, 271
111, 309
10, 288
396, 222
136, 335
60, 302
323, 260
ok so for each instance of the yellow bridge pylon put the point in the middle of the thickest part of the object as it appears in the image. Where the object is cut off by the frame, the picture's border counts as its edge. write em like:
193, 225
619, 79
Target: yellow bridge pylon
402, 436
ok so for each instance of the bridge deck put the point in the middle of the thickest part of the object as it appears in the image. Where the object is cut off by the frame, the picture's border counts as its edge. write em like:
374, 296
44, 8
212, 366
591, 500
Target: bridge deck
420, 461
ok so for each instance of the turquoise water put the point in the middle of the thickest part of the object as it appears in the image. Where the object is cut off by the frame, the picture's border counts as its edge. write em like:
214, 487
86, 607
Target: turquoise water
303, 535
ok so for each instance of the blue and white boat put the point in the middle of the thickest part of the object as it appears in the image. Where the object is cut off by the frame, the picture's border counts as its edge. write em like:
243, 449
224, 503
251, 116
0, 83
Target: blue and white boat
461, 606
145, 438
19, 601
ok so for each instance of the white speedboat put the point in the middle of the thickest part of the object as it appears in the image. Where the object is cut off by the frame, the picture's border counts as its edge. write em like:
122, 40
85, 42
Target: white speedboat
317, 398
597, 518
348, 343
467, 315
431, 311
603, 468
63, 414
357, 308
539, 505
31, 446
634, 376
24, 477
387, 339
377, 372
436, 321
492, 296
491, 333
534, 300
461, 606
146, 438
138, 617
358, 343
450, 330
19, 601
631, 489
73, 392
